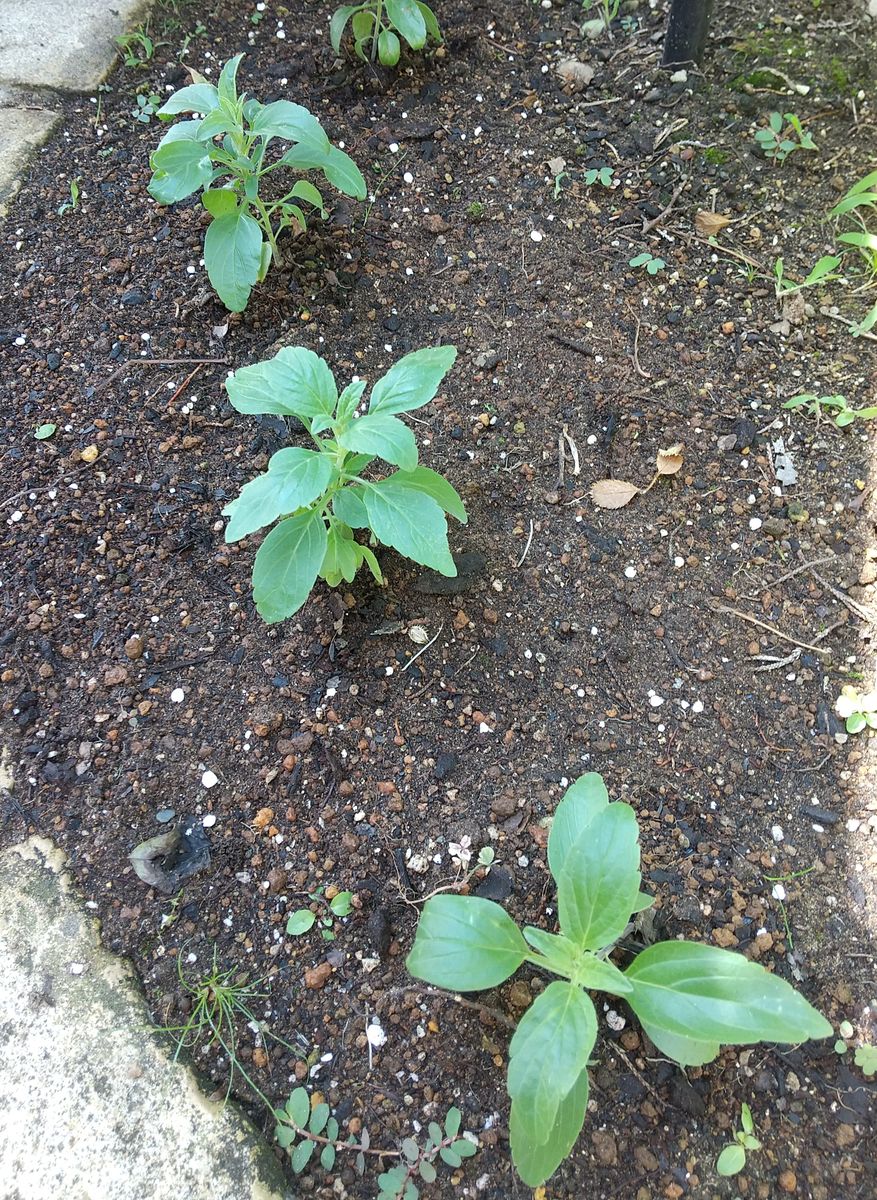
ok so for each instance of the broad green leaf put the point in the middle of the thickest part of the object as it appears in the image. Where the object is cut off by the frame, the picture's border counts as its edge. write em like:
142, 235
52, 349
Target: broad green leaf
265, 261
355, 464
746, 1121
319, 1117
301, 1155
348, 507
340, 169
300, 922
389, 48
449, 1156
299, 1106
407, 18
535, 1160
363, 24
45, 431
216, 122
284, 1135
731, 1161
384, 436
559, 952
340, 17
853, 200
432, 484
581, 802
863, 241
292, 122
427, 1171
601, 975
179, 168
822, 269
642, 902
464, 1148
227, 85
197, 97
465, 943
341, 560
598, 883
219, 201
429, 20
547, 1054
183, 131
294, 478
452, 1121
412, 381
287, 564
306, 191
233, 256
295, 383
410, 522
327, 1158
689, 1051
686, 987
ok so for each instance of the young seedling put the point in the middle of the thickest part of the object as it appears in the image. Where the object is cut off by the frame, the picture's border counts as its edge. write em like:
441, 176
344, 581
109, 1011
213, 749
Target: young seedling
857, 709
822, 272
241, 240
777, 143
732, 1160
302, 1128
318, 497
137, 48
690, 998
645, 259
602, 175
377, 26
860, 202
147, 107
608, 10
304, 919
865, 1057
73, 202
839, 408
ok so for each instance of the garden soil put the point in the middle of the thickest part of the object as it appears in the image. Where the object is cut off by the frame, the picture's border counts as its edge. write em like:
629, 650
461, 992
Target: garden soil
689, 646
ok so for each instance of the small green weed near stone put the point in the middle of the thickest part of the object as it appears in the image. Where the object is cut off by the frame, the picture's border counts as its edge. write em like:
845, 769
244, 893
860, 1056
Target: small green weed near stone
73, 202
304, 919
601, 175
241, 240
837, 406
377, 26
858, 710
137, 48
318, 497
775, 140
732, 1160
690, 998
645, 259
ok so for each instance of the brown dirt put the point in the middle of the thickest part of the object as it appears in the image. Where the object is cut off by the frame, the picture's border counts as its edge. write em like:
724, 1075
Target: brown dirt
574, 622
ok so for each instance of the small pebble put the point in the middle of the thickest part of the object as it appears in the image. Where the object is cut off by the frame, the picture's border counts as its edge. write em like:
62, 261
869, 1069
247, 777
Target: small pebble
535, 235
209, 780
178, 696
164, 815
209, 820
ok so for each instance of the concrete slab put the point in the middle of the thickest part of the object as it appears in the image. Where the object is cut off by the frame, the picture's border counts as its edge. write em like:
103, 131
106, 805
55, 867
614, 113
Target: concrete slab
91, 1107
22, 130
62, 44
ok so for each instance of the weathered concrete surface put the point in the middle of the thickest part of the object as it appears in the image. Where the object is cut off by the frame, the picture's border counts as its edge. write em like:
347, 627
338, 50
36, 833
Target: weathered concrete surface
22, 130
62, 44
91, 1107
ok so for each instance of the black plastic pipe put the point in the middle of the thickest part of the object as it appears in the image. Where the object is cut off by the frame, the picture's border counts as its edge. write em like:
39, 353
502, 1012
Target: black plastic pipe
687, 31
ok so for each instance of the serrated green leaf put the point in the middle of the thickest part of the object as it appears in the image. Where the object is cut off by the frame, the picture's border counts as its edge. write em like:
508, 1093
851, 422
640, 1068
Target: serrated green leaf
179, 168
287, 564
731, 1161
348, 507
406, 17
384, 436
319, 1117
465, 943
294, 478
295, 382
413, 381
300, 922
535, 1161
548, 1052
452, 1122
581, 802
301, 1155
233, 256
197, 97
422, 479
410, 522
327, 1158
685, 986
599, 881
299, 1106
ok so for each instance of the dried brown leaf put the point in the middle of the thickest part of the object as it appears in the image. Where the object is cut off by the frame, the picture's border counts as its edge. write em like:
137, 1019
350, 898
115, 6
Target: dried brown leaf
576, 75
613, 493
556, 165
669, 461
708, 224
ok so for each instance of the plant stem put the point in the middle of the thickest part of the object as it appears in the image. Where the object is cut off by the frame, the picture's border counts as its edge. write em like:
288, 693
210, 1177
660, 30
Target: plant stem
266, 225
379, 13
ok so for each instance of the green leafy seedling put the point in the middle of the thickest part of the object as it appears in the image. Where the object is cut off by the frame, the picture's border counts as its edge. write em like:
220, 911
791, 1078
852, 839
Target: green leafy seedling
838, 406
319, 497
777, 142
147, 107
45, 431
304, 919
645, 259
857, 709
73, 202
690, 998
377, 26
822, 272
602, 175
241, 240
732, 1160
137, 48
865, 1057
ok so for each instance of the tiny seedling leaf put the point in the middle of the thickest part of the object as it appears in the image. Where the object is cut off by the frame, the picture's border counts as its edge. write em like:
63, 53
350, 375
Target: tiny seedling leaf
300, 922
44, 431
732, 1160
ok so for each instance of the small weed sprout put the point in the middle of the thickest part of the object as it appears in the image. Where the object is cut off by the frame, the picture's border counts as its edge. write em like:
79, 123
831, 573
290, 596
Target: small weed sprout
732, 1160
147, 107
608, 11
648, 261
865, 1057
821, 272
377, 26
137, 48
860, 203
858, 710
73, 202
837, 406
304, 919
776, 141
602, 175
